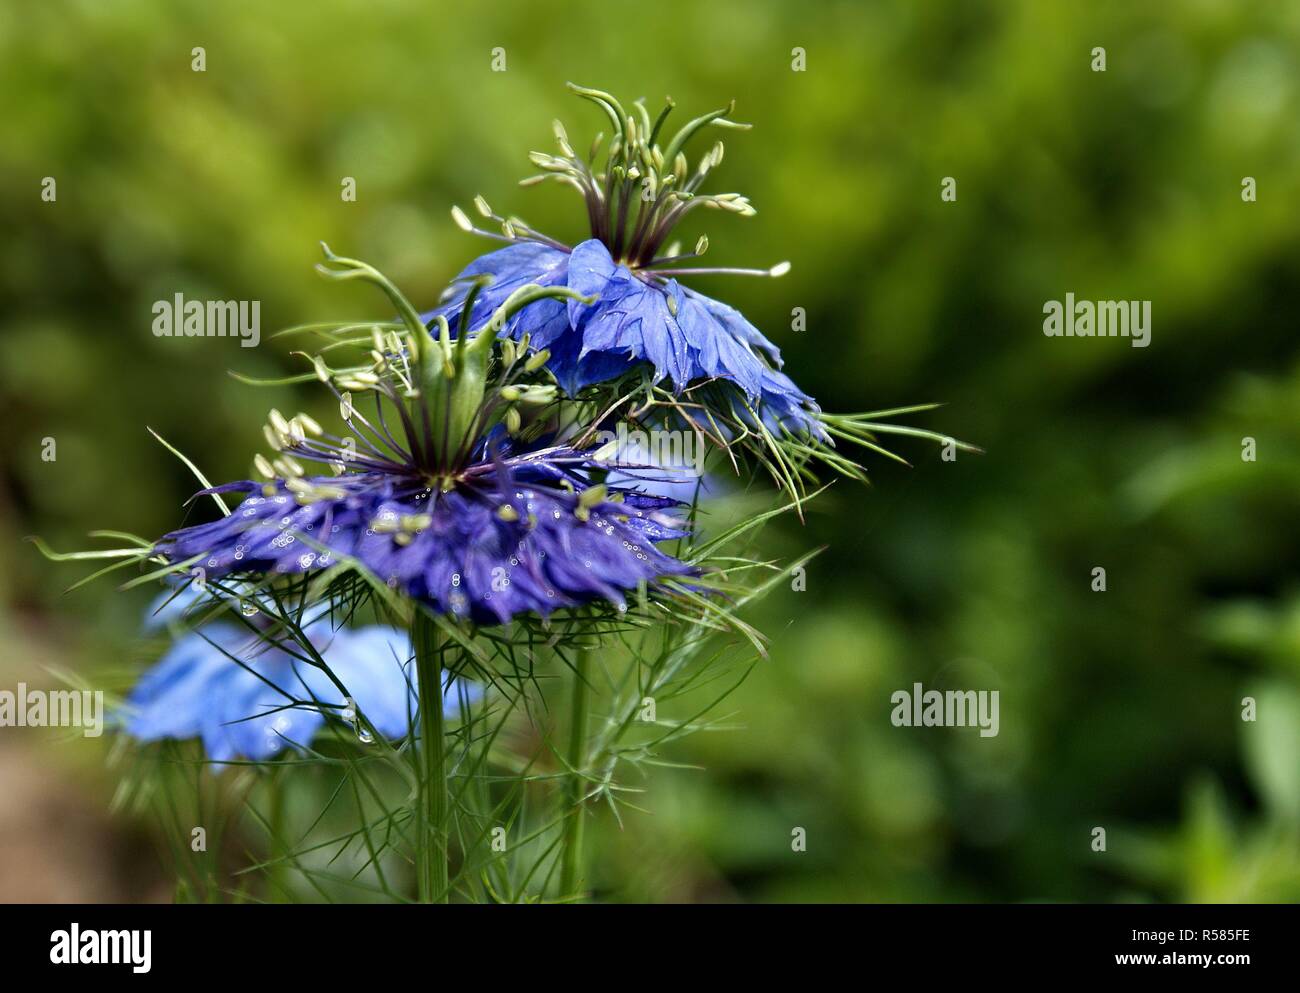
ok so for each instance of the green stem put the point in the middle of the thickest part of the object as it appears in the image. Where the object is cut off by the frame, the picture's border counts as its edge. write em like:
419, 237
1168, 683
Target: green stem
431, 852
277, 871
571, 864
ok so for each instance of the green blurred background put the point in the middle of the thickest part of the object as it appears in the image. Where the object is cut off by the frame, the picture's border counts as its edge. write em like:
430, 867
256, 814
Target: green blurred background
1119, 709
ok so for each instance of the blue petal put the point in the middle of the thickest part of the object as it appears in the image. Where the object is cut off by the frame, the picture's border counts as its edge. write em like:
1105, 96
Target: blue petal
510, 268
173, 699
256, 718
698, 338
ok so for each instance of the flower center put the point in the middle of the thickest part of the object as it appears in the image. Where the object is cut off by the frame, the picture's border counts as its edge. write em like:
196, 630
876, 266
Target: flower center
639, 194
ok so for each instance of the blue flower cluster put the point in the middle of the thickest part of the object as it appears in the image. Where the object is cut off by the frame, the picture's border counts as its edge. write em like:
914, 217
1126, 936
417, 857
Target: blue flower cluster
485, 502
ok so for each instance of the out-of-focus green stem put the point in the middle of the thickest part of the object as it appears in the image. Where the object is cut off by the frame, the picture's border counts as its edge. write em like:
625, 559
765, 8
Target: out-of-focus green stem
278, 870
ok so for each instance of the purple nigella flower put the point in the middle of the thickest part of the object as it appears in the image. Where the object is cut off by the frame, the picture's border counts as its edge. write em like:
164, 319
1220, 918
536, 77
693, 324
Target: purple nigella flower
510, 538
636, 311
247, 698
484, 529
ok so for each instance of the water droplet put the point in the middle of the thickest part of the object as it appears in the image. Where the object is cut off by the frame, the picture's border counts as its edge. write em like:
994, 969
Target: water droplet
248, 608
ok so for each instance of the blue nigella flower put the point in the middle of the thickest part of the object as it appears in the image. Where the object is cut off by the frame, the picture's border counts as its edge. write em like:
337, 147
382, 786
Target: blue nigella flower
246, 698
635, 310
486, 530
508, 540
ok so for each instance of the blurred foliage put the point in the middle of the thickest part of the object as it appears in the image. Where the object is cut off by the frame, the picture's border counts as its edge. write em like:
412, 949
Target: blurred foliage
1119, 709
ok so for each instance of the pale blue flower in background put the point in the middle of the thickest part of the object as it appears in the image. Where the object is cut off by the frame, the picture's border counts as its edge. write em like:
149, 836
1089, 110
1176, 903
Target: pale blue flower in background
246, 698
